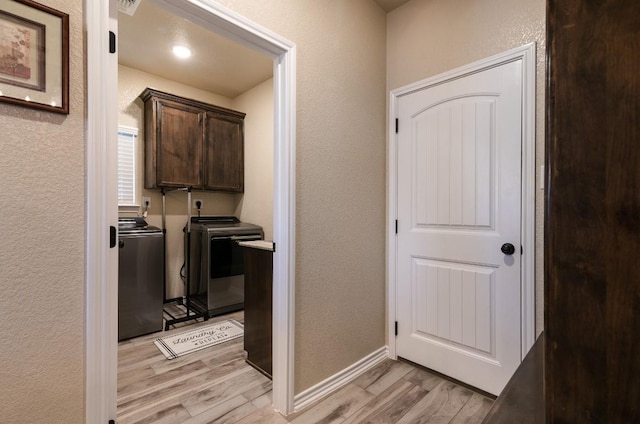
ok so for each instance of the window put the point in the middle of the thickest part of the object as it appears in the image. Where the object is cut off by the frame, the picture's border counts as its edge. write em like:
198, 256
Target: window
127, 166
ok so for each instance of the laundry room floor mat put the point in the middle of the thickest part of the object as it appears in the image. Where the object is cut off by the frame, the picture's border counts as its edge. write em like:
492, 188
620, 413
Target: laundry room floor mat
202, 337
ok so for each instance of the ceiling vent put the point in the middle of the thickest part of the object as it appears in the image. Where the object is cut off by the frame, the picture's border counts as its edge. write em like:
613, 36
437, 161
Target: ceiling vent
128, 6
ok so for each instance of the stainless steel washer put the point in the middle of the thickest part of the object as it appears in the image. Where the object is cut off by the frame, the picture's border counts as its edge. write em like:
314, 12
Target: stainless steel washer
140, 278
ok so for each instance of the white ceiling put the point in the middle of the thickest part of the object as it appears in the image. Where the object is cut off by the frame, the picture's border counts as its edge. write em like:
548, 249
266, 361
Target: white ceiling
218, 65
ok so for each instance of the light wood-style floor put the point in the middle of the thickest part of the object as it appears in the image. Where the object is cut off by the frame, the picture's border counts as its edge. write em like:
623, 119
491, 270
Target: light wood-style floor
215, 385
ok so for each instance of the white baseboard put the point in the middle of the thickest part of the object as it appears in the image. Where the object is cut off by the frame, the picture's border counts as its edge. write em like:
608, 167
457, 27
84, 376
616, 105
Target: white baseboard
336, 381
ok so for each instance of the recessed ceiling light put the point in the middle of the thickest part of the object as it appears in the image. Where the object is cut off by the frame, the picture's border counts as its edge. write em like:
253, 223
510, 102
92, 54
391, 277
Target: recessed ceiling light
181, 51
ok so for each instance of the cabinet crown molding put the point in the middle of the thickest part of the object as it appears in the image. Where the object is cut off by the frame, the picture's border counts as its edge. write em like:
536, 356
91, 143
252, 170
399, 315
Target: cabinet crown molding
149, 92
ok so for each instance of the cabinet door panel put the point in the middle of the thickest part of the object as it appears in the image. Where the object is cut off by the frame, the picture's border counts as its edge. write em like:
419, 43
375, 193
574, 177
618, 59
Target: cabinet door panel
179, 145
224, 150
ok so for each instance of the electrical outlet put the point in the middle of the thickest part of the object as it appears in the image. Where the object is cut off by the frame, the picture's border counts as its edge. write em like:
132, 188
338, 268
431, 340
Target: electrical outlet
146, 202
195, 203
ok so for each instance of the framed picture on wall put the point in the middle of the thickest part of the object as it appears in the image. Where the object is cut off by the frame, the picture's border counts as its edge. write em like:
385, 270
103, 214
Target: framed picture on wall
34, 56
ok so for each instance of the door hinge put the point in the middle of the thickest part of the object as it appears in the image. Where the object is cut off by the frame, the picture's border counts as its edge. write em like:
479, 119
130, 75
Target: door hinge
396, 226
113, 236
521, 250
396, 328
396, 125
112, 42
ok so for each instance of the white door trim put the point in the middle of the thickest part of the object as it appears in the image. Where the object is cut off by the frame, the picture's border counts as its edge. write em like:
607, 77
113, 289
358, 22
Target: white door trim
101, 272
101, 280
527, 54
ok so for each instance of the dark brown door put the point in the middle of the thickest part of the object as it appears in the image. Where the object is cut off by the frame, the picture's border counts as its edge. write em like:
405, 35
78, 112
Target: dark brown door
592, 231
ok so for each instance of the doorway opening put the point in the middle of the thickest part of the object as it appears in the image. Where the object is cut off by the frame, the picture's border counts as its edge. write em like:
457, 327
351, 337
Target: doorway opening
101, 200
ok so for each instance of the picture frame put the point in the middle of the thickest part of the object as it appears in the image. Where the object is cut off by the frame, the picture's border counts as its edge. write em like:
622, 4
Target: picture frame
34, 56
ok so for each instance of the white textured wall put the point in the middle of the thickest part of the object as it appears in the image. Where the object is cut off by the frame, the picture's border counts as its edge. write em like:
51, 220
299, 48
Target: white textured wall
132, 82
340, 187
428, 37
42, 253
256, 204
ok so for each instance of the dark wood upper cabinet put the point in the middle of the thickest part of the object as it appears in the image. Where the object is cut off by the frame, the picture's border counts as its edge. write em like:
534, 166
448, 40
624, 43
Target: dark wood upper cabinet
174, 144
592, 228
224, 152
192, 144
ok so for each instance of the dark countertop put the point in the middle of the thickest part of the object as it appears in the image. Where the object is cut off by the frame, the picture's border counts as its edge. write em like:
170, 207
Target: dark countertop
522, 400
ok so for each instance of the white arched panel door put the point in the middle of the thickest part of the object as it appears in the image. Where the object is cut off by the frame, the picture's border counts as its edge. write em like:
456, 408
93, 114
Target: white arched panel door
459, 218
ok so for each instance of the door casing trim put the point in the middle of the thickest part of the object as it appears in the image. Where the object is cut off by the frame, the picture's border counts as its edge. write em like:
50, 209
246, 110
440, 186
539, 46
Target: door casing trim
101, 274
527, 54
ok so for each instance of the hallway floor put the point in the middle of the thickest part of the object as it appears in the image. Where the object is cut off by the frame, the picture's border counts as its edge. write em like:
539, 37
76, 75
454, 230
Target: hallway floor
215, 385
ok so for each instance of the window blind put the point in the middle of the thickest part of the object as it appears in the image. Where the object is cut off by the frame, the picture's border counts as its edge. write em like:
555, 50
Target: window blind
127, 166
